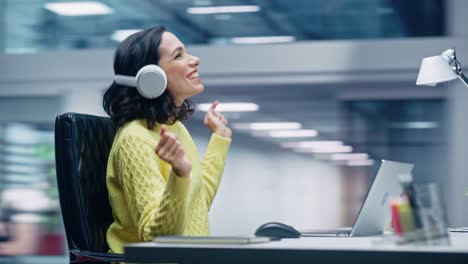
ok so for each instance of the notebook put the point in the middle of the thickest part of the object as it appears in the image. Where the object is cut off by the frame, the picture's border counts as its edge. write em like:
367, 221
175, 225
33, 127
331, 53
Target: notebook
212, 239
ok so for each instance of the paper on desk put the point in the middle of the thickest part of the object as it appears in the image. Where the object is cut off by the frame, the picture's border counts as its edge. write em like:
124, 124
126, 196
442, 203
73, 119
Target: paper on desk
459, 229
213, 239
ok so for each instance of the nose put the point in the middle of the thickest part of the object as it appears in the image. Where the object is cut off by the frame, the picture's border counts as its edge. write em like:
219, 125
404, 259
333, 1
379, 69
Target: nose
195, 61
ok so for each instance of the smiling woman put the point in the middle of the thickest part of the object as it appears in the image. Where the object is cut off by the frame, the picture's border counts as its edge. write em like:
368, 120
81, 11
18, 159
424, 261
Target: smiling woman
157, 184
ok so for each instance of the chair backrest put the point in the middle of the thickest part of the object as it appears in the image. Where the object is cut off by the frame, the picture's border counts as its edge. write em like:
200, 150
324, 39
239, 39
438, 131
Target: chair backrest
82, 146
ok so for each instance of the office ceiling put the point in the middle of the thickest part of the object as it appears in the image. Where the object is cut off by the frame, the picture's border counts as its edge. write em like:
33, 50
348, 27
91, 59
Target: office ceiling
28, 26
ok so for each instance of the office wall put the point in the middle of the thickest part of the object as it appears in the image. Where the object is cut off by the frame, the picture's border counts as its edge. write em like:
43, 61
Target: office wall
36, 109
385, 61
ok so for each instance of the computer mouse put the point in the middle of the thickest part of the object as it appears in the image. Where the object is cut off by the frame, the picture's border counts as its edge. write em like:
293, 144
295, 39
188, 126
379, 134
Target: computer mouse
276, 229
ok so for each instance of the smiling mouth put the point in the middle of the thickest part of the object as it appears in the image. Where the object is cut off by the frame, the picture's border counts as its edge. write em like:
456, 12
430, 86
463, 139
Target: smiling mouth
193, 75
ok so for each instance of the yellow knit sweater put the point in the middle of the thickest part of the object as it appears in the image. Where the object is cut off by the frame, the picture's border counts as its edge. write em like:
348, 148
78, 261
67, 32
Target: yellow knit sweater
147, 198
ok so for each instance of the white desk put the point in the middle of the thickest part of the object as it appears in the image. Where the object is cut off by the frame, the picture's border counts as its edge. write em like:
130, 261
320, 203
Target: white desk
358, 250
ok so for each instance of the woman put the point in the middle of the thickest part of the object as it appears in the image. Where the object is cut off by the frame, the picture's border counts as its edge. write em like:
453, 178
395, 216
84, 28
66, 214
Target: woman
156, 182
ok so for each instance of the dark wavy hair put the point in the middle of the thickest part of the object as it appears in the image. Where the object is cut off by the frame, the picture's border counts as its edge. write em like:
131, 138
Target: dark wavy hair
123, 103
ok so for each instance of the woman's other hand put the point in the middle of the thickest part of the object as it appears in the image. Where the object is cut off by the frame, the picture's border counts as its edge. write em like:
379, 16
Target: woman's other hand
216, 122
170, 150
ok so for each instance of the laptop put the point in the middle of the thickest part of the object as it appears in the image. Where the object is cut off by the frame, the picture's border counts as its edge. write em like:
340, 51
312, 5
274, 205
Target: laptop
374, 214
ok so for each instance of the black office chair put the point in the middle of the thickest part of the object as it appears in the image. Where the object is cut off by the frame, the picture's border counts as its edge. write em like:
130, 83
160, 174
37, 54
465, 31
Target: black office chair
82, 146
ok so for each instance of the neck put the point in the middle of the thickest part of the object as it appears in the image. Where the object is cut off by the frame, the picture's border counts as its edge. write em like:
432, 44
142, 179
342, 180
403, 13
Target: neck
178, 102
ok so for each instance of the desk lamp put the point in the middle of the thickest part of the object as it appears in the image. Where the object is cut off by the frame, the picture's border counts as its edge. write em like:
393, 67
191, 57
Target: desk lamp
442, 68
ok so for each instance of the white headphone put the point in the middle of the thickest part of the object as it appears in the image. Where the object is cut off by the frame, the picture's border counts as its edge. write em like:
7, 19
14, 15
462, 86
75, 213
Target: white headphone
150, 81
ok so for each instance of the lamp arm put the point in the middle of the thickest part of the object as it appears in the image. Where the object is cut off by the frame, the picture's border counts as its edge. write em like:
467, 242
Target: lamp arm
463, 78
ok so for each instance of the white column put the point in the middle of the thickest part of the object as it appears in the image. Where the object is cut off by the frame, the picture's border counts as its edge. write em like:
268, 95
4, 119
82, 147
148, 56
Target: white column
457, 179
456, 18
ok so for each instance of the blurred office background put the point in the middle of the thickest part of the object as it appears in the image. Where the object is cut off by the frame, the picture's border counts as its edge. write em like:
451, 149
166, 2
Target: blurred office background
343, 71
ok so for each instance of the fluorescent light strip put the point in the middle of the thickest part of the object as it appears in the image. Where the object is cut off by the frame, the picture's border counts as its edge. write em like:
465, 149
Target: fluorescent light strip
293, 133
230, 107
367, 162
261, 40
86, 8
121, 34
267, 125
31, 169
223, 9
24, 160
350, 156
311, 144
414, 125
20, 50
19, 150
337, 149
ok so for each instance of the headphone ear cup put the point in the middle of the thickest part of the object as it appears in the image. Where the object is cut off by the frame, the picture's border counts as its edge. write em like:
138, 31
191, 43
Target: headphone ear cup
151, 81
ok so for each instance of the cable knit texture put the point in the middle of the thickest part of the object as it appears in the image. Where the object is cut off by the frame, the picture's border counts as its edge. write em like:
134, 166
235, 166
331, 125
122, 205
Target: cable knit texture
147, 198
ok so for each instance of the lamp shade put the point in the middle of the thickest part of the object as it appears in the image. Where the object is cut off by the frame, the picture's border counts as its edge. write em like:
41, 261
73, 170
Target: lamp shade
435, 70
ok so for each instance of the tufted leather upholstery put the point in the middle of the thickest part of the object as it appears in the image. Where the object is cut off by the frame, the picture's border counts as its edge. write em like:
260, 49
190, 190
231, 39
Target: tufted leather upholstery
82, 146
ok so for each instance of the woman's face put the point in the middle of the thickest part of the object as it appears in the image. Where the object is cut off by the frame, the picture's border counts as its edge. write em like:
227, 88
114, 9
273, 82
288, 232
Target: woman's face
180, 67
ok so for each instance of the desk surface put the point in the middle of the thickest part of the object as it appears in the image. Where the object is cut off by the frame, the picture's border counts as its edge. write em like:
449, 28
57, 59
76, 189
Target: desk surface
307, 249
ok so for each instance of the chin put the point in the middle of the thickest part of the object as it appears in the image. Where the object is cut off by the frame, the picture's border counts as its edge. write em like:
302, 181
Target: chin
199, 89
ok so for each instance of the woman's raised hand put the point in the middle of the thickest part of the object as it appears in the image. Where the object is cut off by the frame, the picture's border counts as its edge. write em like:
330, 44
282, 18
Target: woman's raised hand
170, 150
216, 122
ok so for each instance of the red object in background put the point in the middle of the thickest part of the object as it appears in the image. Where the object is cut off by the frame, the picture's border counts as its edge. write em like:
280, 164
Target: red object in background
51, 244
